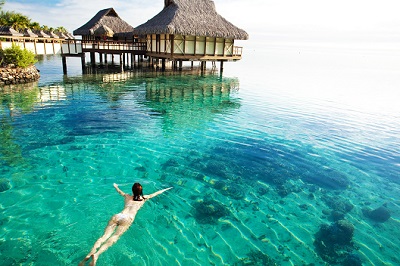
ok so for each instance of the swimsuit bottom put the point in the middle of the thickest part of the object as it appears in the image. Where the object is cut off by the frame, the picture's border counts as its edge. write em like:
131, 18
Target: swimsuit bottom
123, 218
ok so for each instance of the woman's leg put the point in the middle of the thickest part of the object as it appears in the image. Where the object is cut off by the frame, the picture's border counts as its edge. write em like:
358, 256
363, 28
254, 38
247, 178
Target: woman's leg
108, 231
114, 238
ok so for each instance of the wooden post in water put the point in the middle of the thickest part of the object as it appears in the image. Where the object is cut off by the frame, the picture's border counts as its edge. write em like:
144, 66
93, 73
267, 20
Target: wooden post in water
180, 65
221, 67
83, 62
64, 64
163, 64
92, 58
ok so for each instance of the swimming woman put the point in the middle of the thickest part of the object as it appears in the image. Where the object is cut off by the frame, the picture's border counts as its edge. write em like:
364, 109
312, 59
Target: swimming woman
120, 222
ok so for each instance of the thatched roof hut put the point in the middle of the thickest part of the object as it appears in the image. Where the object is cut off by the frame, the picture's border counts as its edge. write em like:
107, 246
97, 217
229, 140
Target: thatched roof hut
104, 30
29, 33
107, 17
62, 35
9, 31
70, 36
188, 17
53, 35
42, 34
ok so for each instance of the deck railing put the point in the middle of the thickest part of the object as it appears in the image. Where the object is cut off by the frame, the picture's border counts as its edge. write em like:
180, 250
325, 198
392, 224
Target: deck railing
113, 45
237, 51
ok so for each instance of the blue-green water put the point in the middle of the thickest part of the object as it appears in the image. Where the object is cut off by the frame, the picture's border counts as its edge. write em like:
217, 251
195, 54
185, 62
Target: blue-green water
260, 159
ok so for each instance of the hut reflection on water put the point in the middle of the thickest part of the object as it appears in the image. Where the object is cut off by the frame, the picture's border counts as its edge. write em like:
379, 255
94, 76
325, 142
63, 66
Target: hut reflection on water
190, 101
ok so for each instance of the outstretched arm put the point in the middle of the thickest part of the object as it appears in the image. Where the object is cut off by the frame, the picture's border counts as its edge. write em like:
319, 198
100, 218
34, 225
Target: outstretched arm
156, 193
118, 190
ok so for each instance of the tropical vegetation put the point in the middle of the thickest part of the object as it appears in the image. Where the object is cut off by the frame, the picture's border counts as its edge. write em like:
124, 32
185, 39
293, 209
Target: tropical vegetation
17, 56
20, 22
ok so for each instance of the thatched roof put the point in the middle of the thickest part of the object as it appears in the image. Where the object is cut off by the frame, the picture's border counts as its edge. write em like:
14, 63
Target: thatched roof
70, 36
104, 30
62, 35
9, 31
42, 34
107, 17
29, 33
191, 17
53, 35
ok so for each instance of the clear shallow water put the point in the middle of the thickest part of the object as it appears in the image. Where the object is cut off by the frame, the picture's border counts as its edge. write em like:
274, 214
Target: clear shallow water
259, 160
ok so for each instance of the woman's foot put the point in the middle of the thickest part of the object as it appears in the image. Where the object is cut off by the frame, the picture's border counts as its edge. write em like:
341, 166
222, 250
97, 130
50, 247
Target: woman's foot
94, 260
82, 263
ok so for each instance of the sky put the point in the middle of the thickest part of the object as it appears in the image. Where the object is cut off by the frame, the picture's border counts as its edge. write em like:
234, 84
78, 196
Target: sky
312, 20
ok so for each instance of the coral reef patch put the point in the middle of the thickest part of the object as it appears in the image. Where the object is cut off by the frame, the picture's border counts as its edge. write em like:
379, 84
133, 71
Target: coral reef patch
380, 214
208, 211
333, 243
4, 184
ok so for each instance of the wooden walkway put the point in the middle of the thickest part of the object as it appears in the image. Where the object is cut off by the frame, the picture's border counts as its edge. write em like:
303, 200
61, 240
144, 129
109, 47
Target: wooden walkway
125, 49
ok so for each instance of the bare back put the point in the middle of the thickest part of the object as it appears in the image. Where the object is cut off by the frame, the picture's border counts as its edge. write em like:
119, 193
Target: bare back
131, 206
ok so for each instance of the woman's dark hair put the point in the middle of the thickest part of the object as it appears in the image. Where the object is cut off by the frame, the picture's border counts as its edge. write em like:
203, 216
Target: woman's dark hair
137, 191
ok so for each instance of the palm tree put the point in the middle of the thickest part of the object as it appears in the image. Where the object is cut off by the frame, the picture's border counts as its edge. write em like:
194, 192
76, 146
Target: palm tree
61, 29
35, 26
15, 20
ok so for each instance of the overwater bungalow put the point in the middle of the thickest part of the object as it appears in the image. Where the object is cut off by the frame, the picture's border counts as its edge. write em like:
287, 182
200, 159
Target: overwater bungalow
29, 33
42, 34
9, 31
102, 24
187, 30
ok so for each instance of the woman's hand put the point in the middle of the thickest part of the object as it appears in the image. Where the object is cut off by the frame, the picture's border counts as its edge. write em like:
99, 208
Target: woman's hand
118, 190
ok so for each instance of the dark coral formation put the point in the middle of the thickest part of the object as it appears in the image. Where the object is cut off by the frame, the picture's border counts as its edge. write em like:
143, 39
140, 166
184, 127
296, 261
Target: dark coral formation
380, 214
208, 211
4, 184
328, 178
338, 206
169, 163
333, 242
231, 189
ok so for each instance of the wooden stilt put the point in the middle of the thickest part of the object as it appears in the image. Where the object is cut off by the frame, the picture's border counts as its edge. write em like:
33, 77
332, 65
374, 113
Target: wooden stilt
83, 62
64, 64
163, 64
92, 58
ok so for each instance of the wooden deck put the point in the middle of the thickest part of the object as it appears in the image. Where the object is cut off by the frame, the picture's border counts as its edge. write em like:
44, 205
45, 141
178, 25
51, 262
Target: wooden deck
78, 48
104, 46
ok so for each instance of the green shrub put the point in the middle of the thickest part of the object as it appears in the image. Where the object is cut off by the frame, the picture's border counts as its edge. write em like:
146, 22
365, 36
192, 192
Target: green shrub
17, 56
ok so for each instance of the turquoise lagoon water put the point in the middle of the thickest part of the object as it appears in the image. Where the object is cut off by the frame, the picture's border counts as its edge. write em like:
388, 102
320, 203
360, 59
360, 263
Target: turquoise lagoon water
265, 161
